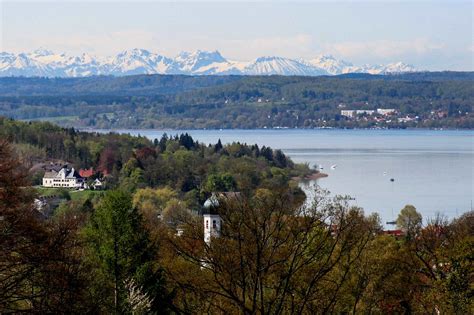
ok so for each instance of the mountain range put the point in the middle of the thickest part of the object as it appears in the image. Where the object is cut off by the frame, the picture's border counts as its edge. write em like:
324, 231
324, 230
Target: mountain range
46, 63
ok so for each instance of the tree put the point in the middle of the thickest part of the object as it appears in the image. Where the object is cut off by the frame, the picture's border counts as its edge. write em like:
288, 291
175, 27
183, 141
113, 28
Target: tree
272, 257
120, 251
40, 265
218, 146
409, 220
220, 183
21, 234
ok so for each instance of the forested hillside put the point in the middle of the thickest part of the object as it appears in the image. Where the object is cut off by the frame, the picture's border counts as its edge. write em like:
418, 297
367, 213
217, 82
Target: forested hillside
429, 100
190, 168
139, 248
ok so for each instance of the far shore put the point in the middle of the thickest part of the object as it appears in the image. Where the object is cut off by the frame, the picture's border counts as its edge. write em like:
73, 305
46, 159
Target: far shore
312, 176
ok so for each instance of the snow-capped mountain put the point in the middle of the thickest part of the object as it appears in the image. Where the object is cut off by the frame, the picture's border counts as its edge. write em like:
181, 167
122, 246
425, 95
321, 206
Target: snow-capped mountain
140, 61
332, 65
46, 63
335, 66
282, 66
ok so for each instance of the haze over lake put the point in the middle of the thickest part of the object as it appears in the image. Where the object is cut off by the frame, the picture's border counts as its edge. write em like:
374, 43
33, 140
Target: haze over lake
433, 170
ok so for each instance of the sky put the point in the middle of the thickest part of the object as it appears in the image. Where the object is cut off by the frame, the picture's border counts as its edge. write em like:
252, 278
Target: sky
432, 35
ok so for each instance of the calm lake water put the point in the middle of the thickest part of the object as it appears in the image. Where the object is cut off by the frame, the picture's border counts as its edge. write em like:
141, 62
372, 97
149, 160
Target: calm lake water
432, 170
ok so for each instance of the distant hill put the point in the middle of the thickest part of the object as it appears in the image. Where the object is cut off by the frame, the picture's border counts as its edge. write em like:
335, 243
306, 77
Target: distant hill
171, 84
420, 100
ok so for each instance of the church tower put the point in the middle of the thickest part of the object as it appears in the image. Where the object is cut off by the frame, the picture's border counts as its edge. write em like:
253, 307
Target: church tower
212, 220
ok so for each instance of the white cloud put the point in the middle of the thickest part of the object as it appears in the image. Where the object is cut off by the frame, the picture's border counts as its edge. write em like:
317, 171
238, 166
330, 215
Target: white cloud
382, 48
299, 45
290, 46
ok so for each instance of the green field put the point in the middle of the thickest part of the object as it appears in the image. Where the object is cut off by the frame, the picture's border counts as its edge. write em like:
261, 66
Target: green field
84, 194
74, 194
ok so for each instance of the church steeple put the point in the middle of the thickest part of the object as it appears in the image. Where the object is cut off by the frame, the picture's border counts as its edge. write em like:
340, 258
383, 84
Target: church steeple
212, 220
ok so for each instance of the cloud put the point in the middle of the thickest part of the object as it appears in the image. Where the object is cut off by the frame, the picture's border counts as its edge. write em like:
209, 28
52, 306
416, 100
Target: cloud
299, 45
107, 44
383, 48
100, 44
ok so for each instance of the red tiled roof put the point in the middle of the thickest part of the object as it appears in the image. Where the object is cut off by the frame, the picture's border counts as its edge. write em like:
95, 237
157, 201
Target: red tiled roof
394, 232
86, 173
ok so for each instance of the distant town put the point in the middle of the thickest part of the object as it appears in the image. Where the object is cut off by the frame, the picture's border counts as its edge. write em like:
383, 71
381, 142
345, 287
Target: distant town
431, 100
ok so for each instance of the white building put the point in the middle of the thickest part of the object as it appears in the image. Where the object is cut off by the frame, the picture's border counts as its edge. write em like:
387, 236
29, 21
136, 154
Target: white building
351, 113
97, 184
405, 119
365, 111
212, 220
386, 111
67, 178
348, 113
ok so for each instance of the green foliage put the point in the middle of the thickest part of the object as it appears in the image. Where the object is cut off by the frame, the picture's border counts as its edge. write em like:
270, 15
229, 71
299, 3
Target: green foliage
220, 183
409, 220
182, 102
119, 248
272, 256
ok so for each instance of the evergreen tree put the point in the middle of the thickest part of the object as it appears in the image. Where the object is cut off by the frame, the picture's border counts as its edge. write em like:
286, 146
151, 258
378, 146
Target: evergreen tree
121, 251
218, 146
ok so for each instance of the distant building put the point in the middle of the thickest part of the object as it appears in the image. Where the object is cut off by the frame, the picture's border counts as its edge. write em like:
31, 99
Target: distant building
365, 112
386, 111
405, 119
86, 173
348, 113
97, 184
67, 178
351, 113
212, 219
396, 233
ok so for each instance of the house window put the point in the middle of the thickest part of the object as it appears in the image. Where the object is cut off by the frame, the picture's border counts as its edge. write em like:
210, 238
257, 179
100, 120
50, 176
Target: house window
207, 224
214, 224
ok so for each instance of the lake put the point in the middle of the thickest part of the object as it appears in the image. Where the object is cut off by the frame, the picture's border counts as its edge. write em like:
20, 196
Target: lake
432, 170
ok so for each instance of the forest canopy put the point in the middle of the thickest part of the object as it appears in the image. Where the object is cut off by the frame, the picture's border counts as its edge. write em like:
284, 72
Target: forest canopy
429, 100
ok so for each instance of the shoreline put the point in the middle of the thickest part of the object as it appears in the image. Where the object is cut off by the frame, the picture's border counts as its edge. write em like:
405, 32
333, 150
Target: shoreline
313, 176
89, 129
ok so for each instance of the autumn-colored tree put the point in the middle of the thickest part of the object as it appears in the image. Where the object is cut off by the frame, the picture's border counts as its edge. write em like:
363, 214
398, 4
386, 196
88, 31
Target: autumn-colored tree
21, 234
40, 261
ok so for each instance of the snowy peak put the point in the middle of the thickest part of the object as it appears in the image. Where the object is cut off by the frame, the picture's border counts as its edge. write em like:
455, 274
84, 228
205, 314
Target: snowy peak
140, 61
332, 65
42, 52
43, 62
398, 67
271, 65
193, 61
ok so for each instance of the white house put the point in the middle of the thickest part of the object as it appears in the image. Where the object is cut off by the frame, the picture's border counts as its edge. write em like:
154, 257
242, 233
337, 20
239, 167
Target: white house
97, 184
67, 178
365, 112
386, 111
348, 113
